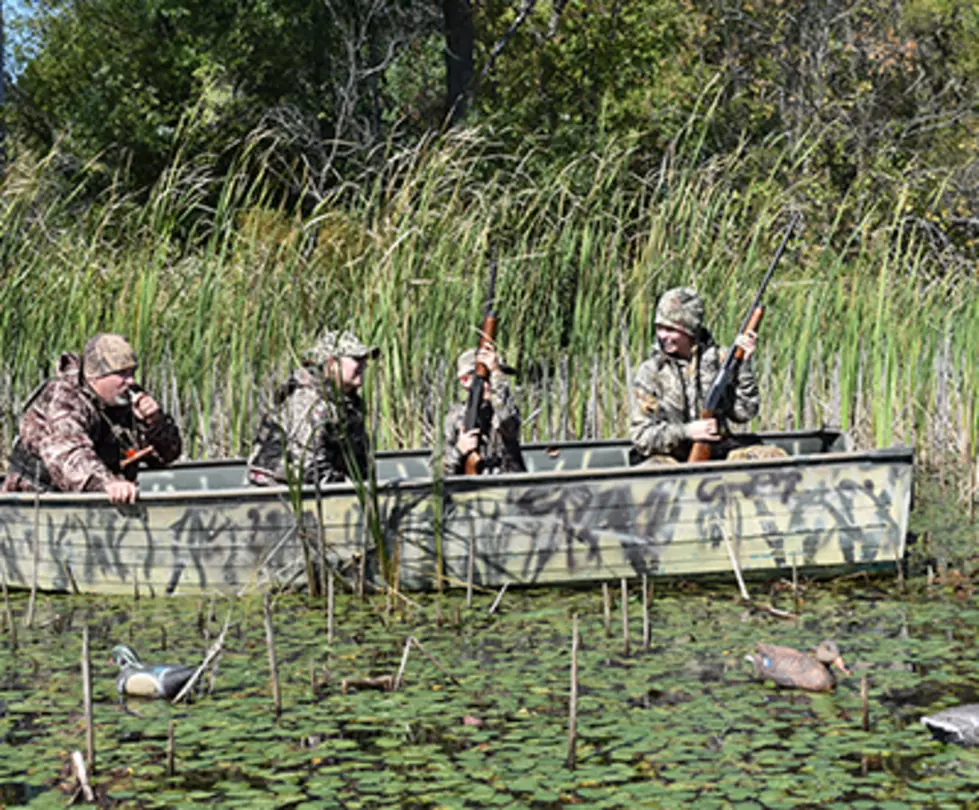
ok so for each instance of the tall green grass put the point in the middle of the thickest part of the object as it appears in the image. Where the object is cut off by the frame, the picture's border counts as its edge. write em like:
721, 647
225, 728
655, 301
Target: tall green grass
220, 290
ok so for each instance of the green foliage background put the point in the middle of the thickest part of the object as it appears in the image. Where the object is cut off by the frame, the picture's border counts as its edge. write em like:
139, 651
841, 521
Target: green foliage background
220, 181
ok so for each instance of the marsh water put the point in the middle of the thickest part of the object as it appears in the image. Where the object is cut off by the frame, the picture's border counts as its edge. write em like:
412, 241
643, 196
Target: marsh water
680, 723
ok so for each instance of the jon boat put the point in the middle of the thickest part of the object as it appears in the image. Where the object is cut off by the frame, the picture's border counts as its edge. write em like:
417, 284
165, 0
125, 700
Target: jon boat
580, 513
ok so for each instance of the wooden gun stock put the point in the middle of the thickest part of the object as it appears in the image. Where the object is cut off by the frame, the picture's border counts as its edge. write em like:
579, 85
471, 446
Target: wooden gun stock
700, 451
135, 456
473, 464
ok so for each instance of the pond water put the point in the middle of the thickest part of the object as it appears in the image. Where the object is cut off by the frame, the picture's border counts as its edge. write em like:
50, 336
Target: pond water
681, 723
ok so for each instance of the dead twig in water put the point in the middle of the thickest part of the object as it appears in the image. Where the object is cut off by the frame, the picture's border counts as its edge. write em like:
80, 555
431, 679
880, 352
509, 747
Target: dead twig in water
81, 775
746, 599
273, 667
431, 658
404, 662
214, 650
499, 598
573, 701
8, 612
385, 683
87, 691
29, 620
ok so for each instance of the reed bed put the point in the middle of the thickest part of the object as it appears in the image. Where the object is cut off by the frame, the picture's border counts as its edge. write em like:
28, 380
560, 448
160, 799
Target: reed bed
219, 288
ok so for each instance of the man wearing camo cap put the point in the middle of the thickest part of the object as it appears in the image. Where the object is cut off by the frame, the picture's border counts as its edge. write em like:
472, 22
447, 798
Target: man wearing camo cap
79, 427
498, 441
669, 388
317, 428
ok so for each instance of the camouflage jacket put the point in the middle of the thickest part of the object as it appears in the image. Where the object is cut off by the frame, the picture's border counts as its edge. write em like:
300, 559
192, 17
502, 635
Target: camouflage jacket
668, 392
71, 441
501, 453
308, 432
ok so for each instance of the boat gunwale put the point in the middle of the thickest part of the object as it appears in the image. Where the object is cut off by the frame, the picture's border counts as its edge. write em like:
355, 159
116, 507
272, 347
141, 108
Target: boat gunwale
462, 483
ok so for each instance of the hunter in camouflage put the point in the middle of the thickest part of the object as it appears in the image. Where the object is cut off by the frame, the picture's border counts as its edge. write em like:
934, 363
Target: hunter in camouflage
500, 450
317, 429
669, 388
79, 427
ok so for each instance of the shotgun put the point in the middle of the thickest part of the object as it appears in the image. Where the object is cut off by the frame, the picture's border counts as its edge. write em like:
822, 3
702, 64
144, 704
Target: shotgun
700, 451
481, 379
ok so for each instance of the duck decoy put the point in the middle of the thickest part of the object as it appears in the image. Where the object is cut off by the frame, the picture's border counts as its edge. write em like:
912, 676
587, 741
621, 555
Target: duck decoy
959, 724
148, 680
791, 668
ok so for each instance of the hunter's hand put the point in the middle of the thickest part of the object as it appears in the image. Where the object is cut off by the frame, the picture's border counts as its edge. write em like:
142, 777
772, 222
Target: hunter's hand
146, 408
121, 491
468, 441
747, 342
489, 358
703, 430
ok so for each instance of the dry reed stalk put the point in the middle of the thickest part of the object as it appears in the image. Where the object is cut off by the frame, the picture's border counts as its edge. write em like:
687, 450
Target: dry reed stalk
625, 617
645, 613
431, 658
81, 776
273, 668
864, 704
734, 564
470, 570
795, 587
29, 619
213, 674
607, 608
499, 598
362, 568
213, 652
71, 579
8, 612
87, 698
321, 537
573, 699
404, 662
330, 608
898, 563
171, 748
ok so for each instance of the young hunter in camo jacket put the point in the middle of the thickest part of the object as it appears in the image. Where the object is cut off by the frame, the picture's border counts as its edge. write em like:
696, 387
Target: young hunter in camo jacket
501, 450
311, 434
72, 440
669, 389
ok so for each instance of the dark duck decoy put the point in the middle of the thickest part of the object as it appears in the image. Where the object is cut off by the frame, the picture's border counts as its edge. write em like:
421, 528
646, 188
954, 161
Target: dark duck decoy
798, 670
148, 680
960, 724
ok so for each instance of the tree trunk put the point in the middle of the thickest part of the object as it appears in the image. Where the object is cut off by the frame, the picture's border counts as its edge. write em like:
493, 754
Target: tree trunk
458, 57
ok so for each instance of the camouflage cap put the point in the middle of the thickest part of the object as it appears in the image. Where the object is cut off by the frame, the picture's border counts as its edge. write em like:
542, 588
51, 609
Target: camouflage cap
338, 344
107, 354
682, 309
467, 362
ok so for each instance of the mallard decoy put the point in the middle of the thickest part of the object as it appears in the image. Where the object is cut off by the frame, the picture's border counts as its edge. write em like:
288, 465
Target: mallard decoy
789, 667
148, 680
960, 724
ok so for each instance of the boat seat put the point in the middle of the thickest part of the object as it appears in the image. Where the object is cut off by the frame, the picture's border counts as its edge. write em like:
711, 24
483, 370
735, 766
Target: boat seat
194, 479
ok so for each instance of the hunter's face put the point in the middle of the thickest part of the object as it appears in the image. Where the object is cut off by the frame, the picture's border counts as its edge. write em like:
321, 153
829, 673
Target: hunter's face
675, 342
350, 372
113, 389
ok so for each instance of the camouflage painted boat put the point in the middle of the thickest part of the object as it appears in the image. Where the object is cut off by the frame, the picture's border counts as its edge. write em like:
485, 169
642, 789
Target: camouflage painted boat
580, 513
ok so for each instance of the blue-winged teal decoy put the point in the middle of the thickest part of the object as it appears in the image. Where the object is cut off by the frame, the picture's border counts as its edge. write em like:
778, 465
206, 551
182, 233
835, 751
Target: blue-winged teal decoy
789, 667
148, 680
960, 724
